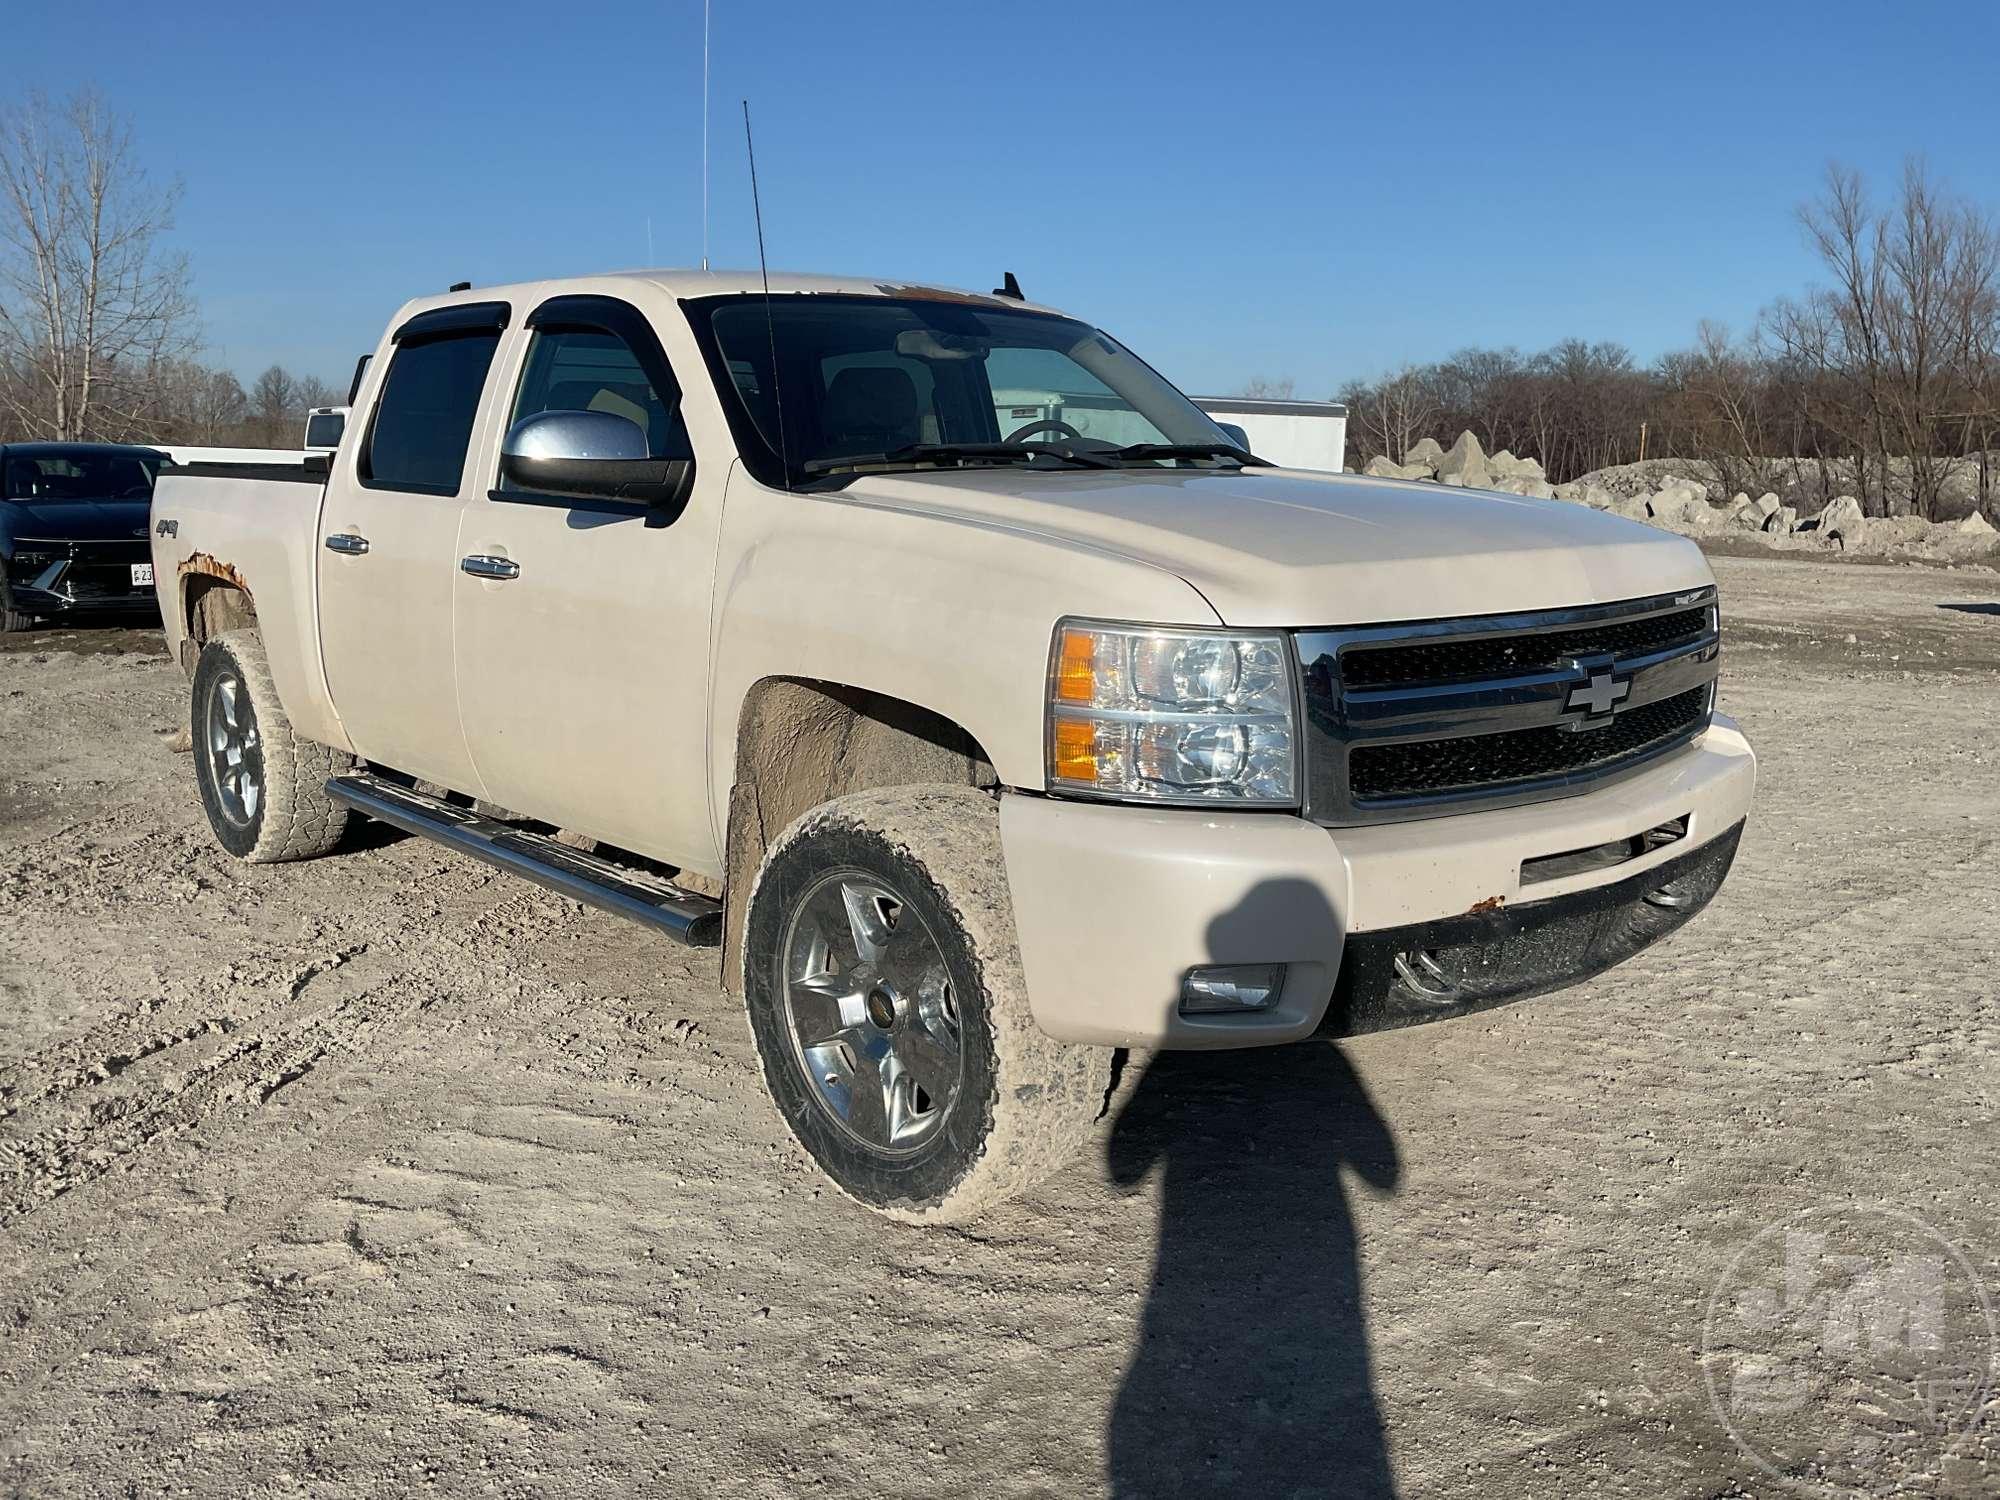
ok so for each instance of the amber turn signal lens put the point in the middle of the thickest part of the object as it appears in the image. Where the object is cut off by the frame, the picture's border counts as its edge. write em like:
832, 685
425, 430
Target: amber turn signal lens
1076, 670
1076, 750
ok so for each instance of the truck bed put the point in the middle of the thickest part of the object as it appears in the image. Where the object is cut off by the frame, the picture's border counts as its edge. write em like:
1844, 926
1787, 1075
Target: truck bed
253, 526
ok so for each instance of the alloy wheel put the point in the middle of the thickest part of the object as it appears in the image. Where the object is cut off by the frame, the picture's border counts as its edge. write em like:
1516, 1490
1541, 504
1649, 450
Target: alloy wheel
870, 1012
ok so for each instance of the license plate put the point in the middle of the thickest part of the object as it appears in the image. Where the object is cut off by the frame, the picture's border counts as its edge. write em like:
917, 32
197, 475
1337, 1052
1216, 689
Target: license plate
142, 575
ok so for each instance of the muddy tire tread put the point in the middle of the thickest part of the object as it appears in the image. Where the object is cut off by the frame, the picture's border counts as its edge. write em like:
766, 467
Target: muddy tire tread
298, 820
1046, 1095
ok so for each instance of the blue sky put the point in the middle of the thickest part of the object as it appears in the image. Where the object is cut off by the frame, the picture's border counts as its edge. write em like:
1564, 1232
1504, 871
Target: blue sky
1316, 190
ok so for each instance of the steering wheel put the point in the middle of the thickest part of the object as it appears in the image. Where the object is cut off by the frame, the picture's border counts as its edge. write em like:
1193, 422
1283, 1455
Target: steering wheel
1047, 424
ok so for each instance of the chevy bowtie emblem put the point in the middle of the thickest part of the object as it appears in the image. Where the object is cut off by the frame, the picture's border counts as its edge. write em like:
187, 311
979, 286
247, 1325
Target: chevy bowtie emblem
1598, 695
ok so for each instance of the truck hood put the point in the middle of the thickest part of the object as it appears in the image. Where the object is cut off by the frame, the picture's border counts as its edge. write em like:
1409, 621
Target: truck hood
1290, 548
74, 520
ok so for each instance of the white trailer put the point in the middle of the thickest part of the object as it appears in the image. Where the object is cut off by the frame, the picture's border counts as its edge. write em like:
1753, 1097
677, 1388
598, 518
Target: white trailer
1295, 434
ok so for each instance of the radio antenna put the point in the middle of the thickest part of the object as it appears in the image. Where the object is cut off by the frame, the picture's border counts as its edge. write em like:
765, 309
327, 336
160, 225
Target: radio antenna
770, 322
704, 133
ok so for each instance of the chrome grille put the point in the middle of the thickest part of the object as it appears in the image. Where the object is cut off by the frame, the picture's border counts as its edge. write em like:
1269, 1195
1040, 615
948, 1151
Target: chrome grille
1416, 720
1448, 659
117, 550
1480, 761
86, 573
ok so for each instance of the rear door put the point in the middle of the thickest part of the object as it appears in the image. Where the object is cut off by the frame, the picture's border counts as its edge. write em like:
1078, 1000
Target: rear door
388, 547
582, 673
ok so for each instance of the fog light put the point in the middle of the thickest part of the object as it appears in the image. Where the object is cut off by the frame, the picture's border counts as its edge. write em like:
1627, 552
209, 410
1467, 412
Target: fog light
1234, 987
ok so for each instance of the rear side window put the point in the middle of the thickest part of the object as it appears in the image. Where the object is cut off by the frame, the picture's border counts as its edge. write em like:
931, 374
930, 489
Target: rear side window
423, 418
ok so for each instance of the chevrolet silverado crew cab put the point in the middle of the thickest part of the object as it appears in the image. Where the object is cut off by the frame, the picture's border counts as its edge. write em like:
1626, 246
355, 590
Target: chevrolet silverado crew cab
982, 742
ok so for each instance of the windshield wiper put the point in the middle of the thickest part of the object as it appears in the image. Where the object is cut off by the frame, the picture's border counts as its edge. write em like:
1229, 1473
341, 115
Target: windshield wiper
1183, 450
960, 453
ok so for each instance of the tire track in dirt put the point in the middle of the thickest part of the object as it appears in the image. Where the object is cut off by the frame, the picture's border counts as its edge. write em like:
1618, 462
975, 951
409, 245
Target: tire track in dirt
440, 962
251, 1066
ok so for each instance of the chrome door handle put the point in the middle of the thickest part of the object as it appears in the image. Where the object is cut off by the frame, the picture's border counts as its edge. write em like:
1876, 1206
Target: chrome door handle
480, 565
347, 544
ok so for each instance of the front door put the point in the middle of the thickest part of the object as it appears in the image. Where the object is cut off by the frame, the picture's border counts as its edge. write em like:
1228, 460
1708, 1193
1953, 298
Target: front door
388, 547
582, 626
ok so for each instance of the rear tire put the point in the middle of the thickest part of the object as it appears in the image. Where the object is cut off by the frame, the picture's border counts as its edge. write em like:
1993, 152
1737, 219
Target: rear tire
878, 948
263, 787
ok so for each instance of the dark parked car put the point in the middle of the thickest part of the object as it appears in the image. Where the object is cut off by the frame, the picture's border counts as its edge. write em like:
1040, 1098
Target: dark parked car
73, 520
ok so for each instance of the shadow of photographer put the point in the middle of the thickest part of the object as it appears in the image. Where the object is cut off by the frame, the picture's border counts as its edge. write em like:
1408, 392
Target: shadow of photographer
1252, 1374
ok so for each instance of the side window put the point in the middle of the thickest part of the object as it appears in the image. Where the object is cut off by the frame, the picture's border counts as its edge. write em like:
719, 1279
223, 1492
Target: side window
588, 369
423, 418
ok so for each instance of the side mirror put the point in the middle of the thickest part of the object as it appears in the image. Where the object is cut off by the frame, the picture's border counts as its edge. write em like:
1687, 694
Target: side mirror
1236, 435
595, 455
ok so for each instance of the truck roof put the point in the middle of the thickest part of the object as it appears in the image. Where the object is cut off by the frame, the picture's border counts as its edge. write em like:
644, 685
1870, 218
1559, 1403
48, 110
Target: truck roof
721, 283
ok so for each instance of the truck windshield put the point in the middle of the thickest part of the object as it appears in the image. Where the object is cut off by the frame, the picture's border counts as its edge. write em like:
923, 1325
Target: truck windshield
922, 382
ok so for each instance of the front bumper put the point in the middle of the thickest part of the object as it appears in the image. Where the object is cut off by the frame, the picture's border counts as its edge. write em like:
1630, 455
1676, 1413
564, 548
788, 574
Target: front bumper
84, 576
1113, 904
51, 602
1429, 971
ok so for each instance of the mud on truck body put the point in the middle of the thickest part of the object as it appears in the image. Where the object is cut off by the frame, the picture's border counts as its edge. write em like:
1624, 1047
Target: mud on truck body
981, 747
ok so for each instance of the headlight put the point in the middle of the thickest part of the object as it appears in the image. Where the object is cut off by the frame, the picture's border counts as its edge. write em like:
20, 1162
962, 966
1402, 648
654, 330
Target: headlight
27, 565
1171, 715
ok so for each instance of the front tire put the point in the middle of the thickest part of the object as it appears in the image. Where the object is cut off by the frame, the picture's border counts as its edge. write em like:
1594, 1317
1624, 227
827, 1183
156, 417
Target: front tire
263, 787
11, 619
884, 988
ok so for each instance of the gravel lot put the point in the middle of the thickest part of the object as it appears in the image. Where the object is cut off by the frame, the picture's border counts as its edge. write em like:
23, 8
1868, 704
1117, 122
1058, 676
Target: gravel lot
385, 1174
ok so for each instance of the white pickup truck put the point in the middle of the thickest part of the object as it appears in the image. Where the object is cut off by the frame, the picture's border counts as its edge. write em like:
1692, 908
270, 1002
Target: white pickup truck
982, 746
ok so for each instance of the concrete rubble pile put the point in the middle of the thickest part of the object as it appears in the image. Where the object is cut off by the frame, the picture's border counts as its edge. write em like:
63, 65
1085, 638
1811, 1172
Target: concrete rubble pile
1667, 497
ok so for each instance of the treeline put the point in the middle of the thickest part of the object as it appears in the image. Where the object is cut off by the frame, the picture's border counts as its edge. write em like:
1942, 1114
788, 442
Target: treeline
1884, 382
184, 401
99, 334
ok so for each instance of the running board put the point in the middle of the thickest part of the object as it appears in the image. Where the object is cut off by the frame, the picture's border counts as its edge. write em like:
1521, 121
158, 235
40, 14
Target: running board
681, 915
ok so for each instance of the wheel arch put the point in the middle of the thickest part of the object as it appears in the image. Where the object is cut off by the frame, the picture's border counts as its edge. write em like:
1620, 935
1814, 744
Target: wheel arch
213, 599
803, 741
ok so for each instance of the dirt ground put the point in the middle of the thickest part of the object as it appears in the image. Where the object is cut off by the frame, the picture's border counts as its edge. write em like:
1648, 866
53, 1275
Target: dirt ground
386, 1174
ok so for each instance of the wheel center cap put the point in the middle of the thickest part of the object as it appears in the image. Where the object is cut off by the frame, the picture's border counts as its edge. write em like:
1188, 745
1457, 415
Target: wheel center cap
881, 1007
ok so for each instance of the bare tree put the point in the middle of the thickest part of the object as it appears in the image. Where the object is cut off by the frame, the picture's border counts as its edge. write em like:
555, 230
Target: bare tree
195, 404
1724, 390
1268, 389
316, 392
1901, 331
1482, 390
91, 305
1391, 415
275, 404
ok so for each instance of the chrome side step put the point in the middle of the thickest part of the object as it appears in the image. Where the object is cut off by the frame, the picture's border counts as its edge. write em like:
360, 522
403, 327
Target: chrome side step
681, 915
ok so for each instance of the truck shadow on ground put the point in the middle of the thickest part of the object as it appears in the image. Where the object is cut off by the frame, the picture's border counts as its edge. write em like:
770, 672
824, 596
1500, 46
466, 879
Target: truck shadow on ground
1252, 1374
1973, 609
